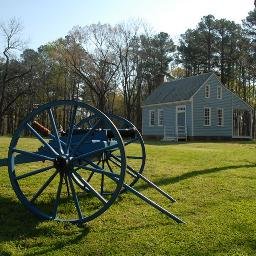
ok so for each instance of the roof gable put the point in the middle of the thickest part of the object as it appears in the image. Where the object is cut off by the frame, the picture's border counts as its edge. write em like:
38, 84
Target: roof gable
177, 90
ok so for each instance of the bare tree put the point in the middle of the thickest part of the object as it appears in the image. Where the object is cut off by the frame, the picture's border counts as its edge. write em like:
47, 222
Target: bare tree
126, 45
10, 91
88, 52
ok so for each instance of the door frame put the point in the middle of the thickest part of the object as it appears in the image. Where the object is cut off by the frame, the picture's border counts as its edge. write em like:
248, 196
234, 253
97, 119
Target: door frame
180, 109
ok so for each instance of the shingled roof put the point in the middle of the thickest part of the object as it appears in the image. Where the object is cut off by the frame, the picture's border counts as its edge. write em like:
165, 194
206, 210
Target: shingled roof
177, 90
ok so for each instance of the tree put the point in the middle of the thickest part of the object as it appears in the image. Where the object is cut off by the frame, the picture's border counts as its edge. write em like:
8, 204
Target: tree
206, 29
156, 54
189, 52
228, 38
249, 26
11, 72
126, 44
88, 53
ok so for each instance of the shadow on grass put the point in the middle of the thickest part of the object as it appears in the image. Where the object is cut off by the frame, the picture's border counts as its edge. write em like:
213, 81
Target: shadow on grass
3, 162
18, 225
172, 180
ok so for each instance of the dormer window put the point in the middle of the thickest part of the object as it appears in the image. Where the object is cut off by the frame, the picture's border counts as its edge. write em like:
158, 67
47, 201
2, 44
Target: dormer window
219, 92
207, 91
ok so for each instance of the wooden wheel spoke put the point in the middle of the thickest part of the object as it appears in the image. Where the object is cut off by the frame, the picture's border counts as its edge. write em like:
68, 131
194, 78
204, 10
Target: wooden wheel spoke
92, 171
41, 139
90, 188
85, 137
57, 200
96, 169
94, 152
85, 120
22, 176
71, 127
102, 179
109, 166
126, 143
66, 183
36, 156
44, 186
130, 170
55, 131
75, 198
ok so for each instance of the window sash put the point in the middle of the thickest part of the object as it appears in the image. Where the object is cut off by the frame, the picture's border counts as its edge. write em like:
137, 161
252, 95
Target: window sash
220, 117
160, 117
219, 92
151, 117
207, 91
207, 116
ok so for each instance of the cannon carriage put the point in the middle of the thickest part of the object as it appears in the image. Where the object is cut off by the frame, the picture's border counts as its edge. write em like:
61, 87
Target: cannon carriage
77, 163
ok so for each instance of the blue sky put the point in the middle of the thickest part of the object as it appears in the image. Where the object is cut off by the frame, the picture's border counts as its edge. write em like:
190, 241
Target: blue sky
47, 20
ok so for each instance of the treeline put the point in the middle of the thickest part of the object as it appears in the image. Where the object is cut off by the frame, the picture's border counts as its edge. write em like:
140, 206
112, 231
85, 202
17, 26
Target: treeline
224, 47
115, 67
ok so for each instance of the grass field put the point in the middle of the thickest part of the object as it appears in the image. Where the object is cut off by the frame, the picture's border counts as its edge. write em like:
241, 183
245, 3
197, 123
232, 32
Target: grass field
215, 188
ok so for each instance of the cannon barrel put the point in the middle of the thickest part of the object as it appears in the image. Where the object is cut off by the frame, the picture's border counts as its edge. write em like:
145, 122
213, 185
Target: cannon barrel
41, 129
125, 133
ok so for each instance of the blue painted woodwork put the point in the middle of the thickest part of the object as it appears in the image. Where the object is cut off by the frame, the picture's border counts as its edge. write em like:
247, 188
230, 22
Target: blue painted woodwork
86, 158
190, 93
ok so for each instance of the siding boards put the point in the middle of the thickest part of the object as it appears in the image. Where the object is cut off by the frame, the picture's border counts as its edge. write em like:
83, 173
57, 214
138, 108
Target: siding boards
169, 119
200, 102
195, 117
155, 130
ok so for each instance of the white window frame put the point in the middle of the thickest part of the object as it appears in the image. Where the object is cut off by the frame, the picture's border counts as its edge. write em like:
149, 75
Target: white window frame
160, 120
206, 116
219, 92
181, 108
222, 117
207, 91
150, 118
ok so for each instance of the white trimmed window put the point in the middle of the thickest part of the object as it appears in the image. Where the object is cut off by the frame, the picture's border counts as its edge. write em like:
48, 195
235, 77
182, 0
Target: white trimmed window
207, 116
219, 92
181, 109
220, 117
151, 117
160, 117
207, 91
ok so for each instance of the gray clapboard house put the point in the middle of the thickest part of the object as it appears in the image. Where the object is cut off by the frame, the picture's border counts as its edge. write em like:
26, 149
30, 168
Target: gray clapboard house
197, 107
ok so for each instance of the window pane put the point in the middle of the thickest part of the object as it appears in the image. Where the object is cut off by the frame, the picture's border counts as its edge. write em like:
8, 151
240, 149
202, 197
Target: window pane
207, 116
160, 117
219, 92
207, 91
220, 117
152, 117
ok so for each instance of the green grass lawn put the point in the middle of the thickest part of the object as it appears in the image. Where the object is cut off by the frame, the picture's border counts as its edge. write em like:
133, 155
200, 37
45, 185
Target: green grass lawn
215, 188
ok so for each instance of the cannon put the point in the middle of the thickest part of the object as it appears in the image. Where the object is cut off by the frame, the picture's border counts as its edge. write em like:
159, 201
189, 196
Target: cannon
77, 161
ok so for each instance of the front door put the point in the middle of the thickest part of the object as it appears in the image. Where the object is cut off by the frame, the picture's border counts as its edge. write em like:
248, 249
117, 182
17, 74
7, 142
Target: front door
181, 129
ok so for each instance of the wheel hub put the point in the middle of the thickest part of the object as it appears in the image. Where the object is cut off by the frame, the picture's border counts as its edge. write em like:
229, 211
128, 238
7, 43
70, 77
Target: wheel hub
62, 164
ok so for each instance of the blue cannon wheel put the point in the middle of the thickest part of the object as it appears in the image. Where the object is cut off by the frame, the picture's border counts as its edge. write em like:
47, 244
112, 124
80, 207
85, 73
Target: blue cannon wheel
134, 150
51, 172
